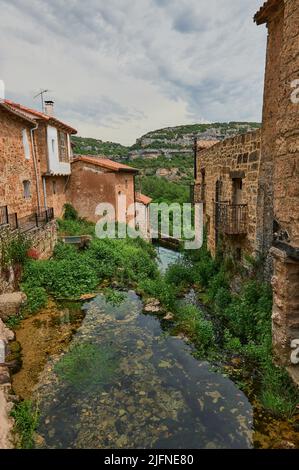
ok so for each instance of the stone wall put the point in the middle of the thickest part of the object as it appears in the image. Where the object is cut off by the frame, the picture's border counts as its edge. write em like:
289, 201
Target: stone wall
43, 240
281, 140
14, 167
237, 157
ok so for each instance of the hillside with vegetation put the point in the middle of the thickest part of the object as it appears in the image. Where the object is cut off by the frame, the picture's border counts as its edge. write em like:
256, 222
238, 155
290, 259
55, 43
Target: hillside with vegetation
164, 156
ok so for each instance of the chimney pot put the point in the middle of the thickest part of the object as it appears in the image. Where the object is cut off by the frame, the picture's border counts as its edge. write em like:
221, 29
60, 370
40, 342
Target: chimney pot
49, 108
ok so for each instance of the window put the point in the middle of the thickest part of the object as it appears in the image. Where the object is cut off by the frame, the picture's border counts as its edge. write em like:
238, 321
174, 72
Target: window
53, 145
54, 186
27, 193
26, 144
63, 146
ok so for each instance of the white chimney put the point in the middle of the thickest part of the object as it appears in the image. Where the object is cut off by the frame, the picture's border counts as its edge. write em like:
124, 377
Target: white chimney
49, 108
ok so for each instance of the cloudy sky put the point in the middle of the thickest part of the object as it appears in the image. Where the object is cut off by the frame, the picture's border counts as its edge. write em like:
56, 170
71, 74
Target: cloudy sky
119, 68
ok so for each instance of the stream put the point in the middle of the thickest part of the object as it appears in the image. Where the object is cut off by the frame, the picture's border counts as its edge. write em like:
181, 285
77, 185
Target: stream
124, 383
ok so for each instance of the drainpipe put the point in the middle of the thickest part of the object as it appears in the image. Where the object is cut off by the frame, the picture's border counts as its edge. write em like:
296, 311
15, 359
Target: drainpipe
35, 166
45, 192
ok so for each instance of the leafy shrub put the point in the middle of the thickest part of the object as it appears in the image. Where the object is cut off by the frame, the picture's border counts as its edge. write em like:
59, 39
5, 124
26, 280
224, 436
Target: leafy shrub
15, 250
190, 321
36, 299
76, 227
62, 278
179, 274
26, 416
160, 290
70, 213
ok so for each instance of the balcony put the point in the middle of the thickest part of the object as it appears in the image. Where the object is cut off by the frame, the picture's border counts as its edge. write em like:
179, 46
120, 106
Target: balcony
231, 219
28, 222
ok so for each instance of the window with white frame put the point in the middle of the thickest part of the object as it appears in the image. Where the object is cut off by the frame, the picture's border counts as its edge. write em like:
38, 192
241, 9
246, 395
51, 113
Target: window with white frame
26, 144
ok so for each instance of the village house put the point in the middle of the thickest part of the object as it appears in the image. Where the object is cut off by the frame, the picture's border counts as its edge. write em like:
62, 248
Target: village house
249, 184
53, 153
18, 164
39, 174
98, 180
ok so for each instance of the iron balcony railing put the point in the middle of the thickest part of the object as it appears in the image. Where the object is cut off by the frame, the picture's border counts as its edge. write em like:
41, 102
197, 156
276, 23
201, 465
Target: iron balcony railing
3, 215
28, 222
231, 219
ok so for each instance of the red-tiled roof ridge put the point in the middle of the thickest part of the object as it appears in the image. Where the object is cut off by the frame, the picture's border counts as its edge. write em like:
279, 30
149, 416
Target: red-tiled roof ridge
143, 199
104, 162
266, 9
25, 110
20, 115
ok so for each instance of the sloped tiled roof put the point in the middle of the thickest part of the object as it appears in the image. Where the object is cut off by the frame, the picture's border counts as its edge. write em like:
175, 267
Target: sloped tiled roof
105, 163
143, 199
34, 114
20, 115
269, 7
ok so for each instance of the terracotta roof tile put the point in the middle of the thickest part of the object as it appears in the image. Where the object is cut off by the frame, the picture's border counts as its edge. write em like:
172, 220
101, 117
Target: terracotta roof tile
33, 113
104, 163
143, 199
22, 116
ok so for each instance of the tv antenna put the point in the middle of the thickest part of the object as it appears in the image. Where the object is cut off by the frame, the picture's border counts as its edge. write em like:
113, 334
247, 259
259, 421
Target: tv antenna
41, 94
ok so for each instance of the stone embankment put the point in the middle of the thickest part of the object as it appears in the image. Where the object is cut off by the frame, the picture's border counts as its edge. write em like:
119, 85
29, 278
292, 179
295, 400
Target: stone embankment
6, 402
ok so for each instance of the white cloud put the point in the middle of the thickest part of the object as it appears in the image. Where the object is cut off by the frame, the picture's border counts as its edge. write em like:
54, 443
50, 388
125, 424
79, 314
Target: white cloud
120, 68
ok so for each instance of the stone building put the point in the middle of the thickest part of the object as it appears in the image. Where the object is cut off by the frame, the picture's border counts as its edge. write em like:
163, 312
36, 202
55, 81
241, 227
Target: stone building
250, 184
280, 147
226, 181
52, 153
18, 163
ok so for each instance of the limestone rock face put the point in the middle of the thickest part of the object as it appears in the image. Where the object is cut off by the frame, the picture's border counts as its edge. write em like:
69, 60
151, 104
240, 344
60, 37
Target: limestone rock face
10, 304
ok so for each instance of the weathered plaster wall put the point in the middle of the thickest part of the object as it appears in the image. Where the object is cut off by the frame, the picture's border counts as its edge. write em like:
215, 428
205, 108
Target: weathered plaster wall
98, 185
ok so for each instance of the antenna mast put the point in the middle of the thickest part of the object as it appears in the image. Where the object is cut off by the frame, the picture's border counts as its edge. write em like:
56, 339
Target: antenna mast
41, 94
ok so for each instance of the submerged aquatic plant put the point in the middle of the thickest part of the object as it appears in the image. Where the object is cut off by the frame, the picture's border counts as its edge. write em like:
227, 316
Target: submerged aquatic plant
114, 297
87, 365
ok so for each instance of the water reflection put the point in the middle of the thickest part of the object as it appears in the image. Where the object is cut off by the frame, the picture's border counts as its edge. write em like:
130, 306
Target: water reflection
158, 395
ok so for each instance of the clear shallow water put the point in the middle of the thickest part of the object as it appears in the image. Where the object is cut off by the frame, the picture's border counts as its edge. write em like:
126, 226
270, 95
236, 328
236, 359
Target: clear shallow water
154, 395
166, 257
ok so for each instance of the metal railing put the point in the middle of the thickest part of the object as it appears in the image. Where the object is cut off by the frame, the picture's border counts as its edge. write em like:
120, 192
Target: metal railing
28, 222
3, 215
231, 219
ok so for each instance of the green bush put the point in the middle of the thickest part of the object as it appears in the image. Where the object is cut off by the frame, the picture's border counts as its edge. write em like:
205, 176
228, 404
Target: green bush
14, 251
26, 416
36, 299
190, 321
160, 290
179, 274
66, 278
76, 227
70, 213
